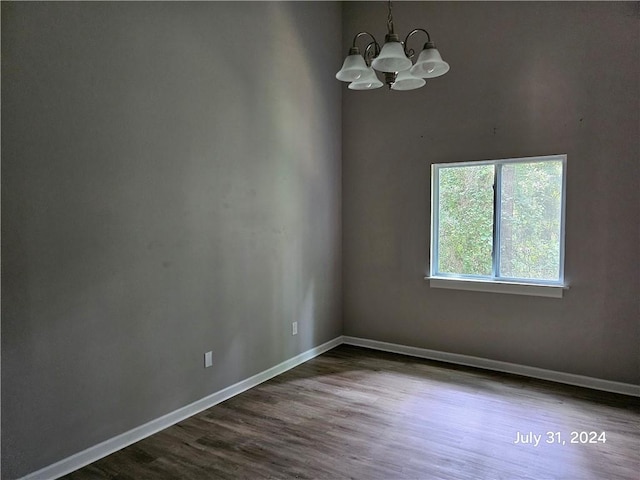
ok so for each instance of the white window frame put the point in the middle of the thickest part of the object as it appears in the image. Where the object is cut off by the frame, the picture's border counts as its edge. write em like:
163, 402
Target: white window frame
495, 283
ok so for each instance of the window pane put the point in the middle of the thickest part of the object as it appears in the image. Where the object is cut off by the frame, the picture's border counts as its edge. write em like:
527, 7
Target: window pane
465, 233
530, 220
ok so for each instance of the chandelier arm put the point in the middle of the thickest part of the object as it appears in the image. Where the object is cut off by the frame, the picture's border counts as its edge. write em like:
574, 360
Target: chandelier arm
358, 35
410, 52
371, 51
368, 52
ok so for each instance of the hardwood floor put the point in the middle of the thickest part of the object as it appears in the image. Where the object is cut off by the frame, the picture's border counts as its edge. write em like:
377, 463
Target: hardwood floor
358, 413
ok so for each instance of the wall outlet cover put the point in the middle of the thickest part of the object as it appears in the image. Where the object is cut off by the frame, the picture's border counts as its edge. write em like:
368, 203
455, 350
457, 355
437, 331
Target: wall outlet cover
208, 359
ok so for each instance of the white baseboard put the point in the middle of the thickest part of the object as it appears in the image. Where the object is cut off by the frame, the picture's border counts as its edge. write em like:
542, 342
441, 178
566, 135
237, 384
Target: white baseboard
123, 440
533, 372
92, 454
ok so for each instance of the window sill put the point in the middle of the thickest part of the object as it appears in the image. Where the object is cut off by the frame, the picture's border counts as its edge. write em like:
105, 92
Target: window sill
532, 289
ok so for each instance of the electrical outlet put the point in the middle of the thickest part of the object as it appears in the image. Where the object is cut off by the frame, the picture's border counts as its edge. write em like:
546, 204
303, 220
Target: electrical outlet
208, 359
294, 328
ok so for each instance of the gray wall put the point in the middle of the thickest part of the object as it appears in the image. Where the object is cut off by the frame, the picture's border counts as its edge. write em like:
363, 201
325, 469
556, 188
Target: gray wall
171, 184
526, 79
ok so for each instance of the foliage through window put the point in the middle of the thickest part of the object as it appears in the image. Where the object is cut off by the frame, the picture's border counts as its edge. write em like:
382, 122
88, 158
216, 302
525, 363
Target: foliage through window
500, 220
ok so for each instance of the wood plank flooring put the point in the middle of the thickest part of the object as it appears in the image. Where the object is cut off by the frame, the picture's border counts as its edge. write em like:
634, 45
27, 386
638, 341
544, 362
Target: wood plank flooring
361, 414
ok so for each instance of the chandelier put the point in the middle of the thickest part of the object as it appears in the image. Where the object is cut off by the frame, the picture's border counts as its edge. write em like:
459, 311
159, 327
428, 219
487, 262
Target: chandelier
394, 60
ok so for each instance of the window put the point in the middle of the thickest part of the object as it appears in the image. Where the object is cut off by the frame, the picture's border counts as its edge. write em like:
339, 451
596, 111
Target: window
499, 222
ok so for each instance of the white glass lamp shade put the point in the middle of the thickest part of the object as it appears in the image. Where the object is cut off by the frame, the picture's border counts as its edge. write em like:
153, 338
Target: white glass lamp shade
392, 58
406, 81
429, 64
352, 68
368, 81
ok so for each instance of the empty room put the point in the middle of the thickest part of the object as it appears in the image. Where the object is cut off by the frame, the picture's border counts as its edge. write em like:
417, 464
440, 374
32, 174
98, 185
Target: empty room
363, 240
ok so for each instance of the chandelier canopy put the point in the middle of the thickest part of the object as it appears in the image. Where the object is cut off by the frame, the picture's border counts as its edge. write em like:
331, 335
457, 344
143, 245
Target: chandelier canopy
394, 60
